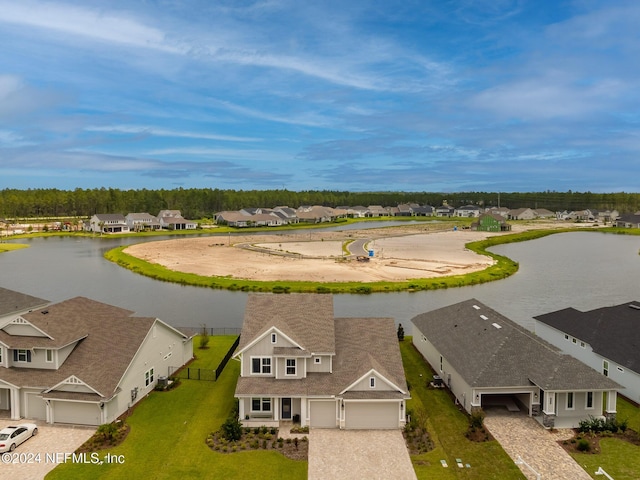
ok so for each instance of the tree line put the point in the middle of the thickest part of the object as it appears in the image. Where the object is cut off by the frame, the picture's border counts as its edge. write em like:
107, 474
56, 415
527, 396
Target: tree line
198, 203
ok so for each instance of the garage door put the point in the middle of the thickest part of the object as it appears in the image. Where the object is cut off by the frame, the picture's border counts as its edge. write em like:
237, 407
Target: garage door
371, 415
36, 408
76, 413
322, 414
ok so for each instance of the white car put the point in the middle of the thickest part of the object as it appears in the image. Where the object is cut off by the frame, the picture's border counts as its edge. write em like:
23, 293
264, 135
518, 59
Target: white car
11, 437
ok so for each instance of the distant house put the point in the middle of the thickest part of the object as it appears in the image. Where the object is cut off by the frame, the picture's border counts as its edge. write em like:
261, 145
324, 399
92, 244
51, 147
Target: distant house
298, 362
80, 361
376, 211
487, 360
502, 211
489, 222
629, 220
142, 221
424, 211
468, 211
108, 223
544, 213
445, 211
607, 339
608, 216
318, 214
521, 214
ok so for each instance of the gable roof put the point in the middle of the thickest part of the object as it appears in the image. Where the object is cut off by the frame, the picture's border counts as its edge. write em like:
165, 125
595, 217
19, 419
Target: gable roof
613, 332
12, 302
489, 350
306, 318
109, 337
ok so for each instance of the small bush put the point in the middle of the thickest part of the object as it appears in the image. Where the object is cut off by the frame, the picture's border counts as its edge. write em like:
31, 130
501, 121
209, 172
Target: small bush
583, 445
476, 419
232, 428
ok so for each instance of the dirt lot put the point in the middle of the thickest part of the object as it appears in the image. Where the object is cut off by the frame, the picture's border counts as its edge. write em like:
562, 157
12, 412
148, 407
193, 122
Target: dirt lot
403, 253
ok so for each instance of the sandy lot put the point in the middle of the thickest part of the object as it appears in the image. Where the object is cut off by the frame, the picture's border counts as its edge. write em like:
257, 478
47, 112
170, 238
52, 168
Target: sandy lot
399, 254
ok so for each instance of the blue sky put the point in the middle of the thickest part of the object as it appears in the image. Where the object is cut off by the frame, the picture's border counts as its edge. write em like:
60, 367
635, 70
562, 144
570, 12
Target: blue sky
424, 95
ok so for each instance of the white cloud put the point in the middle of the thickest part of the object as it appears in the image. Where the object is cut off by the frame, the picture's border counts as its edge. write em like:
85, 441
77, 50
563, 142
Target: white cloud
161, 132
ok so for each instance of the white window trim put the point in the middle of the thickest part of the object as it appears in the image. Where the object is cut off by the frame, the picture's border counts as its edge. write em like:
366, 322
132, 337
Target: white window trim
149, 377
274, 338
287, 367
620, 369
566, 337
262, 400
605, 368
586, 401
574, 340
317, 360
571, 395
26, 357
262, 365
372, 382
48, 352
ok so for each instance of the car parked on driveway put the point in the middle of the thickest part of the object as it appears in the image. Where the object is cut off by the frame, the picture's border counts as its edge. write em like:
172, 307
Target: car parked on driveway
11, 437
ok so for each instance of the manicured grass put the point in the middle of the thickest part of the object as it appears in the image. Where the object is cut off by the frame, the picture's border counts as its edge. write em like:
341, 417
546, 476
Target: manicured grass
618, 458
448, 426
8, 247
168, 432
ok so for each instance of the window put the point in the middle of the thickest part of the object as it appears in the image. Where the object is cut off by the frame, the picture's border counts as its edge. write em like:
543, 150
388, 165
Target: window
605, 368
22, 355
574, 340
316, 360
570, 401
291, 366
148, 377
620, 369
1, 352
589, 403
566, 337
274, 338
582, 345
372, 382
440, 362
261, 365
260, 404
48, 355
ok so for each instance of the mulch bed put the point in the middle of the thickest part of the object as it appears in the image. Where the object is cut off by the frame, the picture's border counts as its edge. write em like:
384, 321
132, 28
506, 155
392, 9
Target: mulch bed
261, 438
99, 441
577, 443
418, 441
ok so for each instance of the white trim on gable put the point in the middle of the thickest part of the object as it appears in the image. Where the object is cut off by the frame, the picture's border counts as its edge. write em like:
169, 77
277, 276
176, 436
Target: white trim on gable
72, 380
266, 333
371, 372
21, 321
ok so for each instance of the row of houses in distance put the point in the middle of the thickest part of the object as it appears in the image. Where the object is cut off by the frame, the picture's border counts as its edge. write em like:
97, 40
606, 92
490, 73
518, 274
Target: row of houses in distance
283, 215
138, 222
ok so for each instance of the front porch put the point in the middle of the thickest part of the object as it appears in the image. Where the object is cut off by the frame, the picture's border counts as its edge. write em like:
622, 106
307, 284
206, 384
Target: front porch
271, 411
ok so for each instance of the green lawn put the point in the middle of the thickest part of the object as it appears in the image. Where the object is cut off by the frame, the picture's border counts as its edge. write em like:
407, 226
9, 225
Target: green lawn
618, 458
447, 426
8, 247
168, 432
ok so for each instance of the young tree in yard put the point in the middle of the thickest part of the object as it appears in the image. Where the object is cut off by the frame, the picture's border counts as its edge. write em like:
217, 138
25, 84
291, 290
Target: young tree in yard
400, 332
204, 338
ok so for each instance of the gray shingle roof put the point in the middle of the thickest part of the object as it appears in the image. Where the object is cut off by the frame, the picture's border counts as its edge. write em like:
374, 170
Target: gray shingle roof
509, 356
12, 302
111, 339
613, 332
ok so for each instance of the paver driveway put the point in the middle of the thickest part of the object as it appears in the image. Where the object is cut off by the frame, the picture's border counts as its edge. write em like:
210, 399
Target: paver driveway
358, 454
521, 436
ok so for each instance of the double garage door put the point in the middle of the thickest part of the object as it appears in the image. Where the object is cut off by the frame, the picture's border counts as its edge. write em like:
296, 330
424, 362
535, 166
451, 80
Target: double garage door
358, 415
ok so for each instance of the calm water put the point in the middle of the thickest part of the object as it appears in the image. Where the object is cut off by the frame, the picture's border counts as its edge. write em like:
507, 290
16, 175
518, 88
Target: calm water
581, 270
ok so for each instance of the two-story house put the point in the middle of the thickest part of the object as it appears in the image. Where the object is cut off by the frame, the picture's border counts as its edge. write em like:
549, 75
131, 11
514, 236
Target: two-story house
81, 361
108, 223
299, 363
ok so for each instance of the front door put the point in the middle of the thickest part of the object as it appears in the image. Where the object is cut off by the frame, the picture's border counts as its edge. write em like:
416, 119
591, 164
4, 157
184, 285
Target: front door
286, 409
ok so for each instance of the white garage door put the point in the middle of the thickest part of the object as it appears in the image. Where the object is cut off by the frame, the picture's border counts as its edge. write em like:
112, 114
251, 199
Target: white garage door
76, 413
371, 415
36, 408
322, 414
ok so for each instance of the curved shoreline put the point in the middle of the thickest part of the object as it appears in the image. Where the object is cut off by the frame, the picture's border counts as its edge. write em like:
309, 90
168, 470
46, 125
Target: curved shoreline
502, 268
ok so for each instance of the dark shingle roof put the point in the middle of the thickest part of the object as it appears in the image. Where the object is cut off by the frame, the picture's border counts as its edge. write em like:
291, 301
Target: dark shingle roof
612, 332
487, 356
12, 302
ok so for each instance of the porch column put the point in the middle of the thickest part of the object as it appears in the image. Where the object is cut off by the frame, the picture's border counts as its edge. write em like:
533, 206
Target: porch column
549, 409
276, 409
15, 404
241, 409
612, 397
303, 412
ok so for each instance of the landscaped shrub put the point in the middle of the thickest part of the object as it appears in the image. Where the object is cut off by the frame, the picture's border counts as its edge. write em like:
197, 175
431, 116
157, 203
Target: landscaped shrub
476, 419
232, 428
583, 445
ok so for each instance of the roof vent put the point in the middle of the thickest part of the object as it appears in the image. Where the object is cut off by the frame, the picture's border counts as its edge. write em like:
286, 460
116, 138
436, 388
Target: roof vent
44, 312
476, 307
484, 317
496, 325
633, 305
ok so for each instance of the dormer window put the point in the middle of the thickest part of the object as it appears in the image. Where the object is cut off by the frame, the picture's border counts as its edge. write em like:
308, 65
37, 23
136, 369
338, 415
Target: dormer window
274, 338
22, 355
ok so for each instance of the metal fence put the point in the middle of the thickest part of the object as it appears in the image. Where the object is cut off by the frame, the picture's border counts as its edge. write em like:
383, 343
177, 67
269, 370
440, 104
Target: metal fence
210, 330
188, 373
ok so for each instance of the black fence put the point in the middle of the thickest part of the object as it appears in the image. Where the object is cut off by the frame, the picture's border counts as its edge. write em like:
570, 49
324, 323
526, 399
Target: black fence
210, 330
188, 373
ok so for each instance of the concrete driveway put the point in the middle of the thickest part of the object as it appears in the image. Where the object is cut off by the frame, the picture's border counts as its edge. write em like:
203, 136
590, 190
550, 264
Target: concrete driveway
40, 454
354, 454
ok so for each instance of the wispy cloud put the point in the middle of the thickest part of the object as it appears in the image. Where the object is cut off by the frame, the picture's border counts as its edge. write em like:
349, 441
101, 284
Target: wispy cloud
162, 132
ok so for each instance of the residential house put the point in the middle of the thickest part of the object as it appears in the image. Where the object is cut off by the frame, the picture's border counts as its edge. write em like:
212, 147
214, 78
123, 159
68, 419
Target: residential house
299, 363
108, 223
502, 211
629, 220
138, 222
467, 211
376, 211
233, 219
487, 360
317, 214
445, 211
80, 361
521, 214
608, 216
544, 213
424, 211
606, 339
489, 222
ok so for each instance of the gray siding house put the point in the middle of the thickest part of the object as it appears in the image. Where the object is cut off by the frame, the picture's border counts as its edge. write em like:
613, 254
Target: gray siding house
299, 363
607, 339
487, 360
81, 361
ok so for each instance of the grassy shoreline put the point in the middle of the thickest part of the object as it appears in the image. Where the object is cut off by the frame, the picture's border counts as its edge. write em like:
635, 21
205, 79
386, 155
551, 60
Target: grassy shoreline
503, 268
